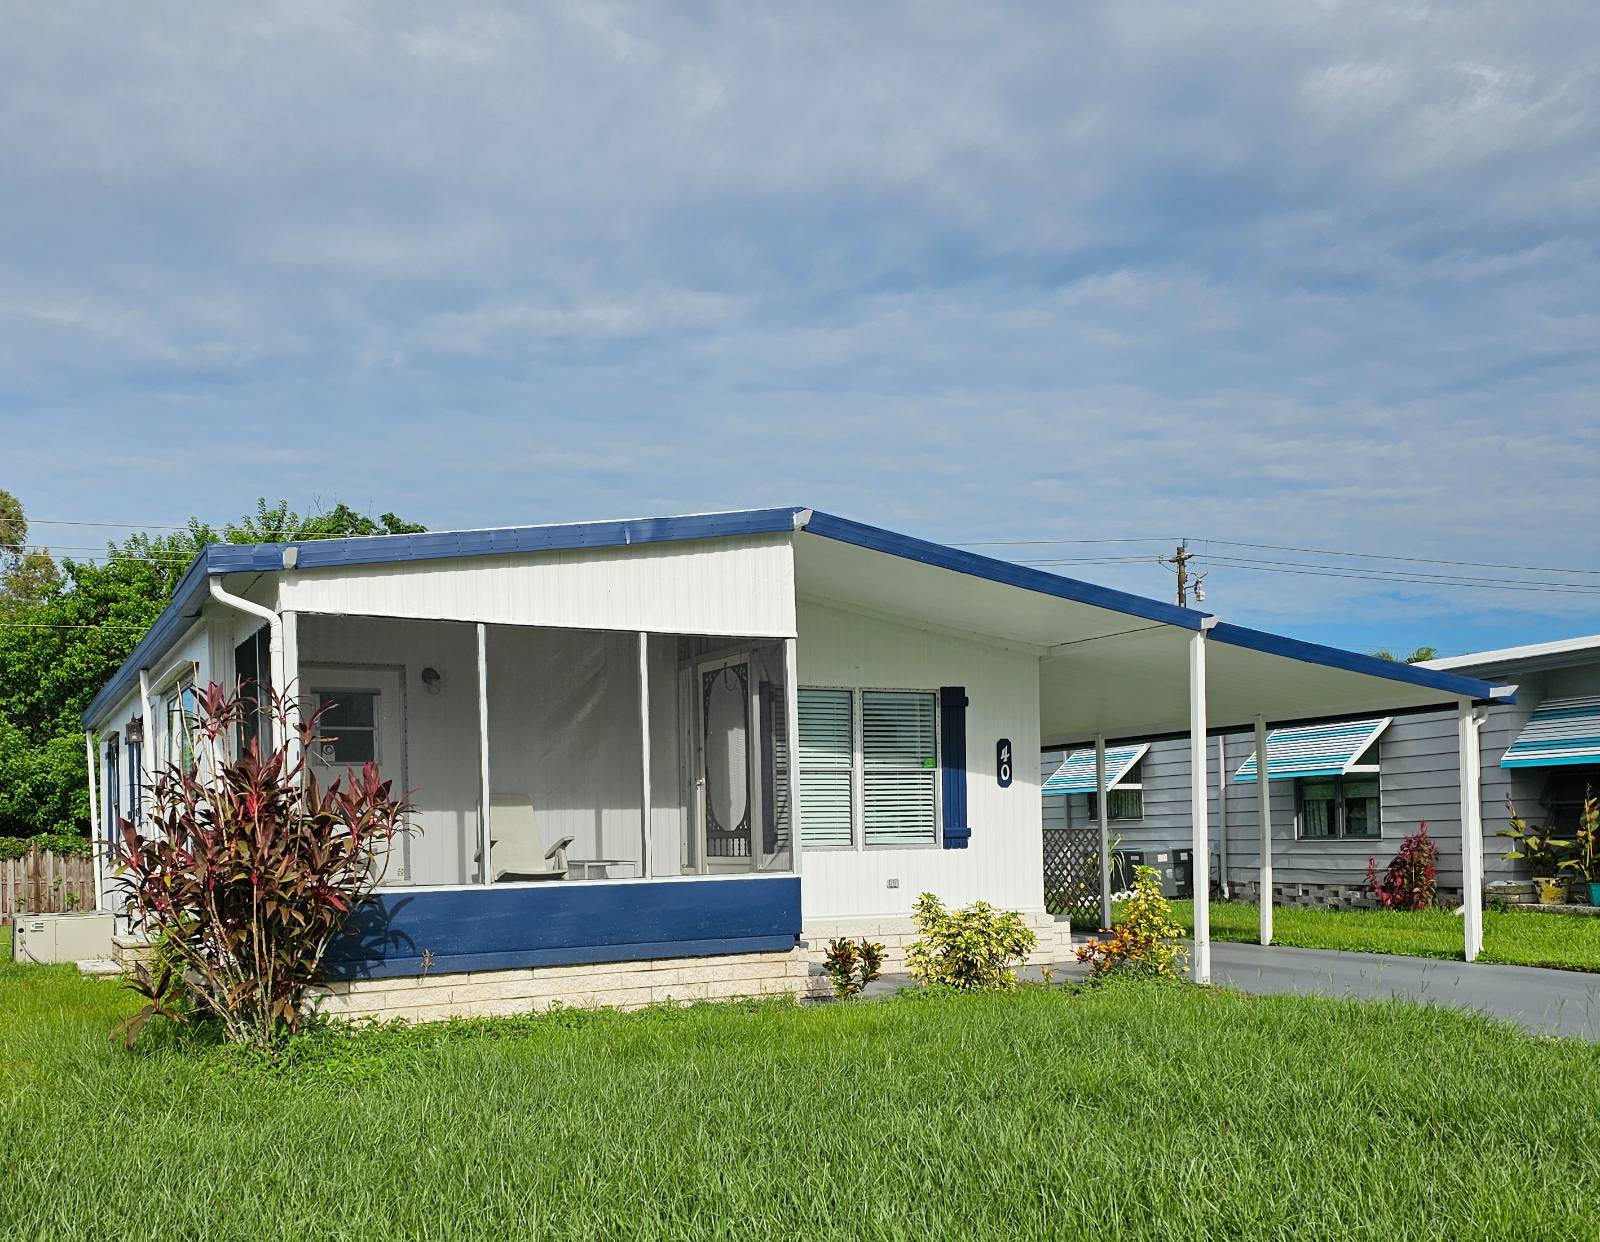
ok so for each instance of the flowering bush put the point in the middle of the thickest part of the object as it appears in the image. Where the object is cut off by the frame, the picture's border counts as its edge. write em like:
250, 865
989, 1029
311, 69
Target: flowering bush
1409, 882
247, 870
974, 948
852, 965
1146, 941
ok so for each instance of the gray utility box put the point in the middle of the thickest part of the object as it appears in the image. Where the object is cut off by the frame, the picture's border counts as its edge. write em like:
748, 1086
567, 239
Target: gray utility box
49, 938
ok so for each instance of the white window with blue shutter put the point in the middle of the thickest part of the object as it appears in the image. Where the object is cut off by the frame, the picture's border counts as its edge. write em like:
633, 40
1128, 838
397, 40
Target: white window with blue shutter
869, 768
827, 769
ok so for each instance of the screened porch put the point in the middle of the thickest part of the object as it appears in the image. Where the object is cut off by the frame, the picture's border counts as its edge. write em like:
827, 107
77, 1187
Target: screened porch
539, 755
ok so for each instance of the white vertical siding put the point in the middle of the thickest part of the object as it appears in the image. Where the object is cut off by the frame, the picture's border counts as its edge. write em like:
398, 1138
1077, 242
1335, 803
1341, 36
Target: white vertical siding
742, 586
1003, 863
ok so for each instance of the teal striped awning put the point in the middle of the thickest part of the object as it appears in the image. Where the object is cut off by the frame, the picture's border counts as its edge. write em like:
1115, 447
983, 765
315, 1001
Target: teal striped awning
1314, 750
1076, 775
1559, 731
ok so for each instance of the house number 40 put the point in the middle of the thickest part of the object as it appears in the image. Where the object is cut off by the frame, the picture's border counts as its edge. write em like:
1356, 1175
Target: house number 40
1002, 762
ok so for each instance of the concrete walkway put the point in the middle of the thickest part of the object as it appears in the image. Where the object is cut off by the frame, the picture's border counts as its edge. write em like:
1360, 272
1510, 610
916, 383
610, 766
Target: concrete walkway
1543, 1002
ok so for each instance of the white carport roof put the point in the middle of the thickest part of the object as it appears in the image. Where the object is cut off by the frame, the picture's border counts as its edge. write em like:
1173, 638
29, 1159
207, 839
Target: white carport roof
1113, 664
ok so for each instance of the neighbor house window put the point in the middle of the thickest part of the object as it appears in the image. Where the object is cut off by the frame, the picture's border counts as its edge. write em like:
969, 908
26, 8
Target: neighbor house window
1339, 806
869, 768
1126, 799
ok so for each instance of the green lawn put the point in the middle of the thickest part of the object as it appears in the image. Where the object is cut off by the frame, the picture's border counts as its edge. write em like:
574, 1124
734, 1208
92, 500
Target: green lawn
1126, 1112
1566, 941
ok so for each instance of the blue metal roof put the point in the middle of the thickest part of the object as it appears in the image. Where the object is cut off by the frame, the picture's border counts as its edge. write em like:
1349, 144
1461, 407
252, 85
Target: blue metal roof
1076, 774
1560, 731
217, 559
1314, 750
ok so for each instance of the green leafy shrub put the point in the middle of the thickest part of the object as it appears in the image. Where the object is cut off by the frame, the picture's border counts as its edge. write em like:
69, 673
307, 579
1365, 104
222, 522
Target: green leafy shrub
1411, 879
247, 872
1543, 850
851, 965
63, 843
1146, 941
975, 948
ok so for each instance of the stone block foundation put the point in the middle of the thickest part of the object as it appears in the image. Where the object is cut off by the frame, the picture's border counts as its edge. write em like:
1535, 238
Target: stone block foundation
618, 985
797, 972
896, 934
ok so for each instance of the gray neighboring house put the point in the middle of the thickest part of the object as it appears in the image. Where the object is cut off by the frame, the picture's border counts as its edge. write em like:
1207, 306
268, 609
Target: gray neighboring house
1327, 824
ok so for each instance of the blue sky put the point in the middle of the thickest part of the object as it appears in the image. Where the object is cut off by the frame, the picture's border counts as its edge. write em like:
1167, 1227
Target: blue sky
1314, 275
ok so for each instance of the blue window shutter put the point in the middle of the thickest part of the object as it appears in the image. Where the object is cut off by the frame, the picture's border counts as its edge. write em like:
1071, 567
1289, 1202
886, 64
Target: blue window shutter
953, 737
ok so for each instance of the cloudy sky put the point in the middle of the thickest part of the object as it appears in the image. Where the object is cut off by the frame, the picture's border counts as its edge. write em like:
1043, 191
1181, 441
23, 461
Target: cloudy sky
1316, 276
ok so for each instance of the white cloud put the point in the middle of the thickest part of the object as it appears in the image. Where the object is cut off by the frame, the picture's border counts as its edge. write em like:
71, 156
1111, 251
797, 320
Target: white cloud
1317, 274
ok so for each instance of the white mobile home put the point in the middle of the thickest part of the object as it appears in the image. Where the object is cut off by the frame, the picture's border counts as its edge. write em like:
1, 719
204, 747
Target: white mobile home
662, 757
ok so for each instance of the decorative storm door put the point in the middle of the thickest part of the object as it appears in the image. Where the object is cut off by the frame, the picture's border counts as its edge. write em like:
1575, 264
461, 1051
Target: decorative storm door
723, 782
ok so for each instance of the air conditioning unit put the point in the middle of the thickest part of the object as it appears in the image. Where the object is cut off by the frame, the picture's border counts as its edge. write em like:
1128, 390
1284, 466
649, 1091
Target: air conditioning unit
45, 939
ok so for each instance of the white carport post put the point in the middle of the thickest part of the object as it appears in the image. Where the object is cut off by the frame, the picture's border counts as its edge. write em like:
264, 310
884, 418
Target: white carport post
1264, 815
1199, 796
1104, 816
1468, 722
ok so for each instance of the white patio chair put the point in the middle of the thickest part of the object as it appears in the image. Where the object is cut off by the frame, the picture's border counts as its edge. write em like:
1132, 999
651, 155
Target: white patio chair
515, 850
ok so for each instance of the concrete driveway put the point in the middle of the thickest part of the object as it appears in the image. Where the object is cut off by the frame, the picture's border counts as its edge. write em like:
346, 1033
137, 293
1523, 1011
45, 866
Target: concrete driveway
1543, 1002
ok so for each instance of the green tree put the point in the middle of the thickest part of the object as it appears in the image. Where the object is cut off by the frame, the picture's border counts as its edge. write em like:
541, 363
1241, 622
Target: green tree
1417, 656
26, 573
61, 643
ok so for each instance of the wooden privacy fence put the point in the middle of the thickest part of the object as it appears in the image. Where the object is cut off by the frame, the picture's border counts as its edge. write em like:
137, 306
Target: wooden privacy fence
41, 882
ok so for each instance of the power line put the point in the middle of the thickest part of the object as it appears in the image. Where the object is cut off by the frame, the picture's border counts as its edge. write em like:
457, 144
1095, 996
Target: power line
1571, 589
1419, 560
1412, 576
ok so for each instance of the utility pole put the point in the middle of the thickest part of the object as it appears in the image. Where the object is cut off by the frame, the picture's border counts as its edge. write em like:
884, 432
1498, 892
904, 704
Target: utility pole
1179, 561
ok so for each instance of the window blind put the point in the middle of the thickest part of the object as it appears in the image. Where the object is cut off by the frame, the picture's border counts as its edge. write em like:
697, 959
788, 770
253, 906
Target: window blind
826, 759
899, 765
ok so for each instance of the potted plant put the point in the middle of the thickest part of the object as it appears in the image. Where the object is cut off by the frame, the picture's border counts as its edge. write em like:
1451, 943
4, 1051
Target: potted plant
1543, 851
1586, 858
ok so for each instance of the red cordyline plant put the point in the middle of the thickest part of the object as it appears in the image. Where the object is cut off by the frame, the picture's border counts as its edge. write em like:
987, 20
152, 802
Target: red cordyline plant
1409, 882
247, 869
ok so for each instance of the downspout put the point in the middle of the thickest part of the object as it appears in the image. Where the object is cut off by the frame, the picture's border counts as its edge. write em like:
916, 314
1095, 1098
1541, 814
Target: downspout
274, 638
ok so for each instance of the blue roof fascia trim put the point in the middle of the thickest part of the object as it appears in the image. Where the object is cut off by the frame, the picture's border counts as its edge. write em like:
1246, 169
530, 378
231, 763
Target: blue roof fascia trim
175, 618
1354, 662
878, 540
446, 545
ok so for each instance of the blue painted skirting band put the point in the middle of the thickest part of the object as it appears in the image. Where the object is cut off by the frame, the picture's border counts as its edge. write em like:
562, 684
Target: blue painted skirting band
558, 924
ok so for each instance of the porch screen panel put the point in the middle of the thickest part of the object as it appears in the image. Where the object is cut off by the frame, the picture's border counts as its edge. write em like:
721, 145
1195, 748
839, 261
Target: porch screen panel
826, 768
899, 767
768, 670
564, 751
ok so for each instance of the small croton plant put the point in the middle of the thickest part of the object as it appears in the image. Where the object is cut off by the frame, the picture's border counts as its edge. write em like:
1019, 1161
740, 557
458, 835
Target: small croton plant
1146, 940
247, 868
